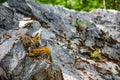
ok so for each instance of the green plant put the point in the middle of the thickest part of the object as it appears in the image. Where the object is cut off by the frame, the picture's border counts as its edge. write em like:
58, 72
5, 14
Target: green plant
1, 1
84, 5
95, 55
78, 24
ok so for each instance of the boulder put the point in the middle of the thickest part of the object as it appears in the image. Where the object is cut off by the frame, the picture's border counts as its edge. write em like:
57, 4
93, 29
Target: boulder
82, 45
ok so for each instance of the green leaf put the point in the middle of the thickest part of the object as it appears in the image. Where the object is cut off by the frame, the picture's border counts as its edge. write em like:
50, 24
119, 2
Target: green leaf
2, 1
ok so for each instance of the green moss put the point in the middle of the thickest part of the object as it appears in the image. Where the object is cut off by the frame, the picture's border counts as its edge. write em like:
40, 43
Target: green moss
95, 55
2, 1
78, 24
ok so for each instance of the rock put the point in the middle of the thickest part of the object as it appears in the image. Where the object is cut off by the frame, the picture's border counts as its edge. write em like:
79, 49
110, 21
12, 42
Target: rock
6, 17
47, 35
9, 19
20, 6
72, 38
9, 38
108, 21
20, 67
2, 74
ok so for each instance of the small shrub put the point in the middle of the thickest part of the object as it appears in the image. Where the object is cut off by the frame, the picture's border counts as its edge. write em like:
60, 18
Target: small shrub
95, 55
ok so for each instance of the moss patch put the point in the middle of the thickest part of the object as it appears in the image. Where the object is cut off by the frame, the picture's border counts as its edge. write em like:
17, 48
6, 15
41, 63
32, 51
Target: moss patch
95, 55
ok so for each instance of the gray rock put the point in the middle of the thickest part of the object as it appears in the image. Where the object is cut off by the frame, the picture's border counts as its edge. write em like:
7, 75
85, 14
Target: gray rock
71, 43
108, 20
2, 74
9, 19
47, 35
6, 17
20, 67
20, 6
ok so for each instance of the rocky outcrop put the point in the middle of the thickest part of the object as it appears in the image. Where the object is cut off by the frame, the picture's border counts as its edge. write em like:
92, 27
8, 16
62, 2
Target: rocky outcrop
81, 48
108, 21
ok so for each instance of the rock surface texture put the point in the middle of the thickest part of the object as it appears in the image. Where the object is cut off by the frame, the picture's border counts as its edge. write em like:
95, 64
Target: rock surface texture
83, 45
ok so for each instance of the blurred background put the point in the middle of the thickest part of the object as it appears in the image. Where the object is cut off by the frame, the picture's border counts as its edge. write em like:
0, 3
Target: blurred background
84, 5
